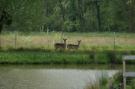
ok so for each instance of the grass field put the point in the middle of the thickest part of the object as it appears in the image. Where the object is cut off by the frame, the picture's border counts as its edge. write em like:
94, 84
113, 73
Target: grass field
53, 57
38, 48
90, 41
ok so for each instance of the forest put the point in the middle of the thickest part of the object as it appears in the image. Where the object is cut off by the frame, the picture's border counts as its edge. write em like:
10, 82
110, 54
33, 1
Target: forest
70, 15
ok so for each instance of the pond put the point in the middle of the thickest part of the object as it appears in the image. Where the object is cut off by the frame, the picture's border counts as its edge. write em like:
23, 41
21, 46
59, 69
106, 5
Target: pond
50, 77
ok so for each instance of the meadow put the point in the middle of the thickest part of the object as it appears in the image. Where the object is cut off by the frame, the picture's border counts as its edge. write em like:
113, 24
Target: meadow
89, 41
38, 48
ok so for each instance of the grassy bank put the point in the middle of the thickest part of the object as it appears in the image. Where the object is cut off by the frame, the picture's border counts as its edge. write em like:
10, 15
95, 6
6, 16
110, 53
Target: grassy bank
117, 82
66, 57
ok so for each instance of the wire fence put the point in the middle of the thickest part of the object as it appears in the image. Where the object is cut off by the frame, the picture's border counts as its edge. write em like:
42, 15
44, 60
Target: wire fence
46, 40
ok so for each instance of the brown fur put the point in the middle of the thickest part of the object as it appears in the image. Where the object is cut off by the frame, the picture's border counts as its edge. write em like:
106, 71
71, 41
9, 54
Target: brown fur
60, 46
73, 46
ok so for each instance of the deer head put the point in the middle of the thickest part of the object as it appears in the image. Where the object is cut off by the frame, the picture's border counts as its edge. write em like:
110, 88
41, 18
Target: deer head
79, 41
65, 41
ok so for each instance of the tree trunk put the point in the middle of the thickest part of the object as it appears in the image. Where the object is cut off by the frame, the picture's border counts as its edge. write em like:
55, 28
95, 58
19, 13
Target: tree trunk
132, 17
1, 26
62, 10
98, 15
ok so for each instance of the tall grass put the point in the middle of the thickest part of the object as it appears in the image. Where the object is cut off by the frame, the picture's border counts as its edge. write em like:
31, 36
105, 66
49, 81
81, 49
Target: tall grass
90, 41
100, 83
112, 83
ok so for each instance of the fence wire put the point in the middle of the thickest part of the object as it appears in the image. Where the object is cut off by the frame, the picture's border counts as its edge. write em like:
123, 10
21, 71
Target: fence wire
46, 40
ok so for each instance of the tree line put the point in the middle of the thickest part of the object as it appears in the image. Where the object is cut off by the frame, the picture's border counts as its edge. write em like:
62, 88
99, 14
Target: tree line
70, 15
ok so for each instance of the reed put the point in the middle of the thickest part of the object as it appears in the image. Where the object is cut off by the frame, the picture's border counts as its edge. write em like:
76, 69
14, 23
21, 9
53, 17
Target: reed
100, 83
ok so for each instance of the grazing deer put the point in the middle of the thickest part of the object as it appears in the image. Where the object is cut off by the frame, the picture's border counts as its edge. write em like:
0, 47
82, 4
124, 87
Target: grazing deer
73, 46
60, 46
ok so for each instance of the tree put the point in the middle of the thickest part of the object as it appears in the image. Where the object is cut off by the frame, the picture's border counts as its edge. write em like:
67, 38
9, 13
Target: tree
131, 13
5, 19
97, 4
70, 15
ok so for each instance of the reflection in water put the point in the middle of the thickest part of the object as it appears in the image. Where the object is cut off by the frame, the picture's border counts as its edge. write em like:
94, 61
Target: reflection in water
48, 78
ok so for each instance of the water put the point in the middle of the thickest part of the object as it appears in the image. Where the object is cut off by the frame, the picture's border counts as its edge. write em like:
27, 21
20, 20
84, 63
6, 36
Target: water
44, 77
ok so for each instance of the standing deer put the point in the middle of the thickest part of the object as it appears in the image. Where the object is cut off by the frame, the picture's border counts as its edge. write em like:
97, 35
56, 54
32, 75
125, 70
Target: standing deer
60, 46
73, 46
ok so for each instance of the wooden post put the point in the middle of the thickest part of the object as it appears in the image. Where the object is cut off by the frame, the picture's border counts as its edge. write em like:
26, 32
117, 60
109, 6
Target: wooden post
124, 71
15, 40
124, 82
62, 36
114, 41
0, 41
48, 43
47, 31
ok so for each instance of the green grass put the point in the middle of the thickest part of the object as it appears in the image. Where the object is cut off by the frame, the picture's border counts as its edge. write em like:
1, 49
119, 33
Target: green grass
117, 82
65, 57
39, 48
26, 57
113, 83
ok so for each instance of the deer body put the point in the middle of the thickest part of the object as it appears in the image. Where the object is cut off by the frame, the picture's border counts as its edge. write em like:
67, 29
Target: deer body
73, 46
60, 46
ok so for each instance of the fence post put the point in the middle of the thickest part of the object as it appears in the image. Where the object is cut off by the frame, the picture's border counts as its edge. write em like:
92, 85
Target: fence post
0, 41
114, 40
15, 40
47, 31
127, 74
47, 34
124, 71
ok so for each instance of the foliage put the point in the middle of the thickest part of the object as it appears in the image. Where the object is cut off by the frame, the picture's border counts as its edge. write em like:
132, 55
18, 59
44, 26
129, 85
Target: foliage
70, 15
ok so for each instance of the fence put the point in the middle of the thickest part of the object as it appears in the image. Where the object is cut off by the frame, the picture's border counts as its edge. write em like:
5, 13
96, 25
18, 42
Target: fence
46, 40
125, 73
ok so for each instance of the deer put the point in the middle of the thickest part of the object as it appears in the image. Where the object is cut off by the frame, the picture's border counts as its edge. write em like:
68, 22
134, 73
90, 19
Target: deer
60, 46
73, 46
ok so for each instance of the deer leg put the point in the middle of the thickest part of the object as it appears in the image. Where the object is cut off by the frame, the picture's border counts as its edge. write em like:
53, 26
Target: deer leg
55, 48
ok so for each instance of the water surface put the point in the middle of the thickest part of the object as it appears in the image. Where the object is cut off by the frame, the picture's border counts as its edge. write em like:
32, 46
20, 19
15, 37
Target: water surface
54, 77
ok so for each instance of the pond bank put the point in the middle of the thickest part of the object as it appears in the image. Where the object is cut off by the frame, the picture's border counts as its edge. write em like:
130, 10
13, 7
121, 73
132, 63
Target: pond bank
56, 57
116, 82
